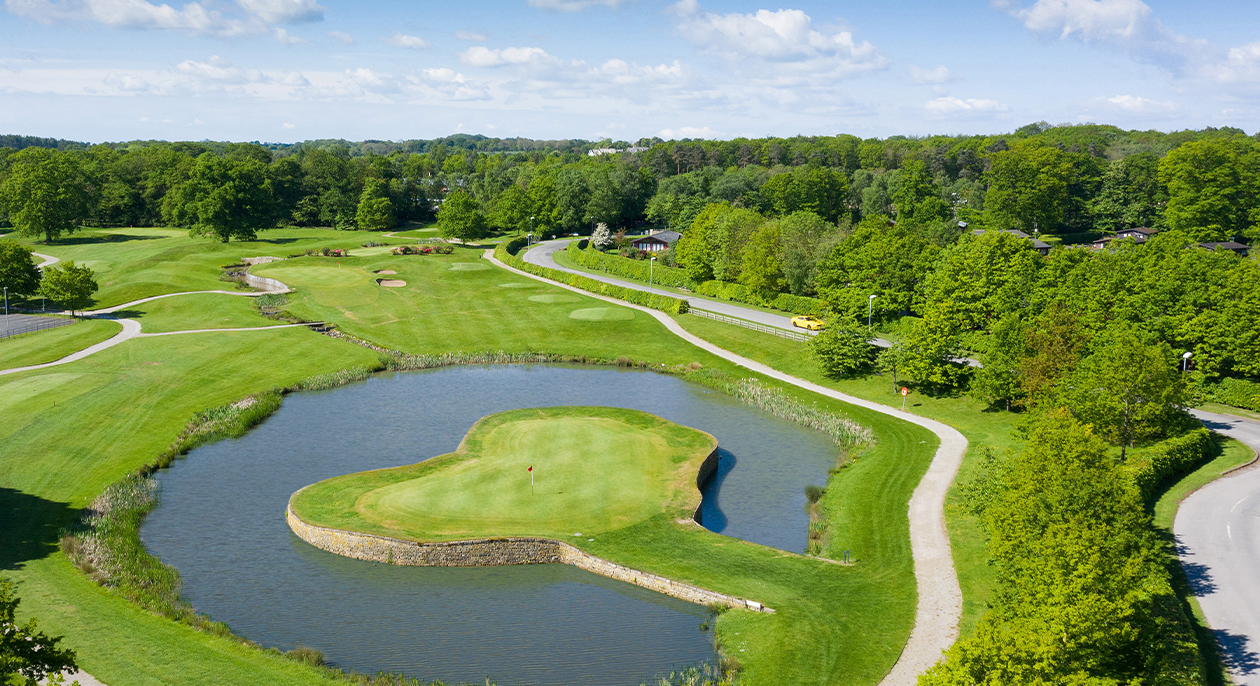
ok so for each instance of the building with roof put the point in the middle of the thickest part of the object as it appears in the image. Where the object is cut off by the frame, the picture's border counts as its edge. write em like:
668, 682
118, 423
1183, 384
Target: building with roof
1038, 245
656, 241
1236, 248
1138, 234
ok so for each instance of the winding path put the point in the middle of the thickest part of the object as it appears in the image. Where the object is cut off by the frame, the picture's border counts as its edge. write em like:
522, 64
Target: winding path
939, 595
1217, 531
131, 328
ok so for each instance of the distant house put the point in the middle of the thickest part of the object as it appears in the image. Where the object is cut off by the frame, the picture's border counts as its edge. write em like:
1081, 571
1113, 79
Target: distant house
596, 152
1040, 246
656, 241
1139, 235
1236, 248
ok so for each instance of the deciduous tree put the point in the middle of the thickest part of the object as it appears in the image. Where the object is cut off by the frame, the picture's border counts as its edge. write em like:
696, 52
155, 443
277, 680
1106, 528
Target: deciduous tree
26, 652
44, 193
461, 217
17, 271
844, 348
68, 285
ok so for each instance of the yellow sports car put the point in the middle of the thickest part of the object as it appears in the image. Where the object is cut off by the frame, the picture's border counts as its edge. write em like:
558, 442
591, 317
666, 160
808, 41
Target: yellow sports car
808, 322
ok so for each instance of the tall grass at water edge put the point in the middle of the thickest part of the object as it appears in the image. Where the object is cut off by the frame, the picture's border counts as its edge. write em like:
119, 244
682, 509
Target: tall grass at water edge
106, 545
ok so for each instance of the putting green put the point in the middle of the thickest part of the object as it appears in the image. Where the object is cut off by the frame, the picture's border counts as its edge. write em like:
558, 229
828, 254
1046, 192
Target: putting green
596, 469
555, 298
602, 314
469, 266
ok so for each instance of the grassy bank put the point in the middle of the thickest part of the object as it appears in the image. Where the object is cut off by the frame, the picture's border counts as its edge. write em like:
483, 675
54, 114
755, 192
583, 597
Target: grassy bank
50, 345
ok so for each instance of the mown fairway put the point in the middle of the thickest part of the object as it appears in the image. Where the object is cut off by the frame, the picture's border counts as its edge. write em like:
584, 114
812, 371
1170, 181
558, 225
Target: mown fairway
595, 470
67, 433
48, 345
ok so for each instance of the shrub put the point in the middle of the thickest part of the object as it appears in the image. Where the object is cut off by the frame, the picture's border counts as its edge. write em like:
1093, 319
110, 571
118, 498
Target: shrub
1235, 392
628, 268
814, 493
514, 246
656, 302
1169, 460
307, 656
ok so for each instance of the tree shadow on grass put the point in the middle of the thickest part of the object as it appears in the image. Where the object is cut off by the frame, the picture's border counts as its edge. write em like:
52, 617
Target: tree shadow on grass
100, 238
31, 527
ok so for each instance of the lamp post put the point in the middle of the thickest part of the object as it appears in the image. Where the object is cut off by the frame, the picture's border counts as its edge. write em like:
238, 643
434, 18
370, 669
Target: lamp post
870, 307
6, 311
651, 270
531, 226
1185, 357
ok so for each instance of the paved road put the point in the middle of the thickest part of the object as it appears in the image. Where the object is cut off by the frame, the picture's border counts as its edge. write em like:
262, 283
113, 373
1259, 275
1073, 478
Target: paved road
1217, 530
939, 605
543, 255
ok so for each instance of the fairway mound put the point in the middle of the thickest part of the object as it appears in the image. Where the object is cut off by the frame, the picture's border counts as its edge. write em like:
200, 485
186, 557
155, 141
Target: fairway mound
391, 283
555, 298
602, 314
384, 271
518, 285
469, 266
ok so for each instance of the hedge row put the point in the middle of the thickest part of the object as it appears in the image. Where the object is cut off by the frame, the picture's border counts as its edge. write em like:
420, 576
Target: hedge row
795, 304
1236, 392
514, 245
628, 268
663, 303
1169, 460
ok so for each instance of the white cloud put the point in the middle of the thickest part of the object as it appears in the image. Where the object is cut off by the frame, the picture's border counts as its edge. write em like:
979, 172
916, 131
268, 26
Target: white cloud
284, 38
1088, 20
283, 11
952, 105
479, 56
130, 14
938, 75
218, 69
1133, 103
471, 36
573, 5
782, 43
287, 125
688, 132
1240, 64
341, 37
399, 40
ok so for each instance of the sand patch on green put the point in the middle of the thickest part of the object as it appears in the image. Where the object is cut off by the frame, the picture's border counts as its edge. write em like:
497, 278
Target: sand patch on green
391, 283
602, 314
555, 298
596, 469
469, 266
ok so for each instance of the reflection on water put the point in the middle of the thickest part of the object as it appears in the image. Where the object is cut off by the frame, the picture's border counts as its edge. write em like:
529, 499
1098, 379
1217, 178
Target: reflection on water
222, 525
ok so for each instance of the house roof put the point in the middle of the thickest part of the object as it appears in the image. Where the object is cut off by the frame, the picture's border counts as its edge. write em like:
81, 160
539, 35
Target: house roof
663, 236
1144, 230
1038, 244
1227, 245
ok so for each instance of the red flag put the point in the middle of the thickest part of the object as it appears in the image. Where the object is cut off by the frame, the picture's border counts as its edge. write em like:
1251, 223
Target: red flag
531, 468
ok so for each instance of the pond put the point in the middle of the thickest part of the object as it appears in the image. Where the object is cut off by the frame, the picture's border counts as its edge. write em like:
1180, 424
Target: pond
221, 524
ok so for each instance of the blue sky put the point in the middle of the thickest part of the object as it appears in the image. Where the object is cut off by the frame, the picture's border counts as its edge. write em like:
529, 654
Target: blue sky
286, 70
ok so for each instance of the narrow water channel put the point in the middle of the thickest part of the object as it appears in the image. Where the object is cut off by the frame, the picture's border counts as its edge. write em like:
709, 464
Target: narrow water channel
221, 523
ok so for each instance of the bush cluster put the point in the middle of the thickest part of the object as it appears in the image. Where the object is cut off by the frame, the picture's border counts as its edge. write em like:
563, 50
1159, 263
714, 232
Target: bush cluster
795, 304
663, 303
1236, 392
441, 249
628, 268
326, 252
1169, 461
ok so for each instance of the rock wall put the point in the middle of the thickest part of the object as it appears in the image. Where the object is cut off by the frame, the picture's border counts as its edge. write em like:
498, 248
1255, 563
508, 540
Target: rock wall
491, 552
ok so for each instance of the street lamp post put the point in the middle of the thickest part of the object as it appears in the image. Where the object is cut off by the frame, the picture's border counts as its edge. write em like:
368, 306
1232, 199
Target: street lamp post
6, 311
1185, 357
531, 226
651, 270
870, 307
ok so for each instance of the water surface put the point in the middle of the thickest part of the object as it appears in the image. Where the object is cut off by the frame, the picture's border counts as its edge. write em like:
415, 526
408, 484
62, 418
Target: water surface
221, 523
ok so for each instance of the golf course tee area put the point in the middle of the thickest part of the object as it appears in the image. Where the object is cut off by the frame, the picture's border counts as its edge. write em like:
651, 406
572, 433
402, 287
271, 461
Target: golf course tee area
548, 472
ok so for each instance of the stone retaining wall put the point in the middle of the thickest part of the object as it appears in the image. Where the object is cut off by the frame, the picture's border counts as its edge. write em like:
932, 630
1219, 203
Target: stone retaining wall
492, 552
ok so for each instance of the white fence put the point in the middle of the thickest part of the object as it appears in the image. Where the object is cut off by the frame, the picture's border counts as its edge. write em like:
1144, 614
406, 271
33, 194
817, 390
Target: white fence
785, 333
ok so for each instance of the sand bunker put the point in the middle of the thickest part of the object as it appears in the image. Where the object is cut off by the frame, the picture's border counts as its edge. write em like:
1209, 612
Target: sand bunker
385, 271
391, 283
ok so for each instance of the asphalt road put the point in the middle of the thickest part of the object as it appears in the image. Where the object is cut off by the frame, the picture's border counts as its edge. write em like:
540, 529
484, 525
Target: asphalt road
1217, 530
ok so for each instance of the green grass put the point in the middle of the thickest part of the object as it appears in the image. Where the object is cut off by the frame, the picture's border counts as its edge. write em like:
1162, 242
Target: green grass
1233, 454
50, 345
981, 426
1229, 409
595, 470
198, 311
134, 263
67, 433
